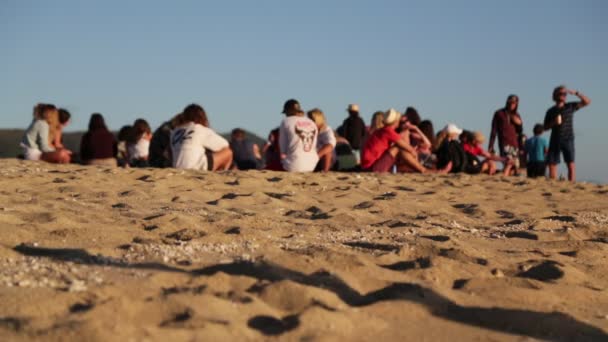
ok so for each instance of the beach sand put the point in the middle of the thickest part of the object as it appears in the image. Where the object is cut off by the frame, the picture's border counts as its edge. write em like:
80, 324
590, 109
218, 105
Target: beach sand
98, 254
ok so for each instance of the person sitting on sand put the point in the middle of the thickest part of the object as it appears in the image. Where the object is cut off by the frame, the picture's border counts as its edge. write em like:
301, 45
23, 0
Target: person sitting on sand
413, 136
386, 148
124, 135
195, 146
160, 144
60, 121
297, 139
426, 156
472, 145
536, 149
560, 120
450, 151
326, 141
247, 154
138, 147
272, 154
98, 145
36, 143
506, 124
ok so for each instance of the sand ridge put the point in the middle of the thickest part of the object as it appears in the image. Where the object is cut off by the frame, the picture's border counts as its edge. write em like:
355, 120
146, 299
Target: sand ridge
148, 254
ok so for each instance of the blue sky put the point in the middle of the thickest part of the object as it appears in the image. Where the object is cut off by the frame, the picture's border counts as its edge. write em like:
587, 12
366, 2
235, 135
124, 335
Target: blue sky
455, 61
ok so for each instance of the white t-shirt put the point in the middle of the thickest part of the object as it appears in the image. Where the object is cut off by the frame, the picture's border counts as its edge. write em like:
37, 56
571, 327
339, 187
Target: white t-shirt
188, 145
298, 141
139, 150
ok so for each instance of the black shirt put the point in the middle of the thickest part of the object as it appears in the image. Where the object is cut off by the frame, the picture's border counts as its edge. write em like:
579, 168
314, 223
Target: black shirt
564, 131
354, 131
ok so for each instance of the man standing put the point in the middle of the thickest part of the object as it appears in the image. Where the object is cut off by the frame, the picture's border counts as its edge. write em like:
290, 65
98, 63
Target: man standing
560, 119
506, 123
354, 129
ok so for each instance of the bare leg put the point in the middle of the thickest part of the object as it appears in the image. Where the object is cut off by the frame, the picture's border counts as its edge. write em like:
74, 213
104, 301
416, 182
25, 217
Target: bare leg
325, 162
491, 167
222, 159
56, 157
553, 171
571, 172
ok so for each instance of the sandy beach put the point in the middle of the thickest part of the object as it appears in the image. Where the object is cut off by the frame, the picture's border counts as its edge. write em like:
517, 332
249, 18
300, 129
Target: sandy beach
99, 254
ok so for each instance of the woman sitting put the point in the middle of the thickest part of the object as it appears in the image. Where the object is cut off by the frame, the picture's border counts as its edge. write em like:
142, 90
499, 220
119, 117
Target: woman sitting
36, 142
98, 145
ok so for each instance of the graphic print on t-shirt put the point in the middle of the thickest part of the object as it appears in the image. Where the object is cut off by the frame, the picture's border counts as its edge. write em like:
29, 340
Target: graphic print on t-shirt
306, 130
180, 136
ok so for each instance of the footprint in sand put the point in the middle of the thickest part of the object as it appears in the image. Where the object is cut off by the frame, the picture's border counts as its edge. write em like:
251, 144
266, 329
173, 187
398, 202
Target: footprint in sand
385, 196
505, 214
277, 195
274, 179
271, 326
186, 234
81, 307
572, 254
395, 224
419, 263
547, 270
364, 205
233, 230
468, 208
177, 319
521, 235
196, 290
561, 218
438, 238
373, 246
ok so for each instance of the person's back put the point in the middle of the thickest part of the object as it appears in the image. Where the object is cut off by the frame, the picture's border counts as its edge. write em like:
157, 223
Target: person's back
536, 150
189, 144
244, 157
160, 146
298, 144
98, 144
354, 128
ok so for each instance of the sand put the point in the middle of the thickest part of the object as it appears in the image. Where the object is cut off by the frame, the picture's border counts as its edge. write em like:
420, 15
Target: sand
98, 254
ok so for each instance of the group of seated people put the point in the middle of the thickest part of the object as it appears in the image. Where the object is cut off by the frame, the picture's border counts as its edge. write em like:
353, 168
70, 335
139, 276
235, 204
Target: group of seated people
303, 142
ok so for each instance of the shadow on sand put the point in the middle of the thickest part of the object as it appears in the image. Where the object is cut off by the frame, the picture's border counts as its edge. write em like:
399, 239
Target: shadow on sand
541, 325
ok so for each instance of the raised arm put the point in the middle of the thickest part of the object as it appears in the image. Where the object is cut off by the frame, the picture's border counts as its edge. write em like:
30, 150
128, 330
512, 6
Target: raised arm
585, 101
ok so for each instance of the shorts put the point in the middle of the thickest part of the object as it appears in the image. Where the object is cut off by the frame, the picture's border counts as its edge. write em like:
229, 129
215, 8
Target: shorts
566, 147
31, 153
384, 163
536, 169
512, 154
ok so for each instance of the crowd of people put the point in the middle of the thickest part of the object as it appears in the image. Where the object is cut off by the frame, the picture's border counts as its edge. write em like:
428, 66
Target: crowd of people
304, 142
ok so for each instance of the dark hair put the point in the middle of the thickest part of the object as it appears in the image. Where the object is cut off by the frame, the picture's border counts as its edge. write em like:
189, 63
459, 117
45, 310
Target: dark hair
466, 137
556, 92
538, 129
412, 115
125, 133
238, 133
64, 116
509, 98
140, 127
195, 113
426, 126
97, 123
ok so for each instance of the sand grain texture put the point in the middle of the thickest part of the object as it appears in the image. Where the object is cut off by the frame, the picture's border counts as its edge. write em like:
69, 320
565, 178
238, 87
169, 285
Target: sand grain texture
103, 254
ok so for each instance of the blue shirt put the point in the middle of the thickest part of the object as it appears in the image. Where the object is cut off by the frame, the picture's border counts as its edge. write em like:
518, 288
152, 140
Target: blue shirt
535, 148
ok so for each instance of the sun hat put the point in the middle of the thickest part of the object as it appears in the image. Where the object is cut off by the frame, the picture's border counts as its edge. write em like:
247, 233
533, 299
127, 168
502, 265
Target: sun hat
391, 116
353, 107
452, 129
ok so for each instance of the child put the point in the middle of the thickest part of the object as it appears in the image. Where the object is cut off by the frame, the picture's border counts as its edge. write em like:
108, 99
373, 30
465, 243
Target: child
536, 149
139, 144
326, 141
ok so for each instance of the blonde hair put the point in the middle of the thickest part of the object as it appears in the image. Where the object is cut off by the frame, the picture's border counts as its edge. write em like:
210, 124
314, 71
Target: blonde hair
377, 121
479, 137
318, 117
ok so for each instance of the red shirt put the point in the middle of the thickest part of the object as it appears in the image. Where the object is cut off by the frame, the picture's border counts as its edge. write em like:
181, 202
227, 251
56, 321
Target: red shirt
378, 143
475, 150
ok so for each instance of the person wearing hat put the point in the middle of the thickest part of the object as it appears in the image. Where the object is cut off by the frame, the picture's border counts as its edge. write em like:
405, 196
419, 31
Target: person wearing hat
507, 126
297, 139
559, 119
386, 148
353, 129
472, 145
449, 150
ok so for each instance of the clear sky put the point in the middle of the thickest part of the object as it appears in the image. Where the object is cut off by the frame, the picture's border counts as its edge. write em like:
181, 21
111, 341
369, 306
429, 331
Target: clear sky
455, 61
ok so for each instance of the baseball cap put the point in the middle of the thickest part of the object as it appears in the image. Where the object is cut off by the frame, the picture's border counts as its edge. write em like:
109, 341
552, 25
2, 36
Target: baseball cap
391, 116
452, 129
291, 104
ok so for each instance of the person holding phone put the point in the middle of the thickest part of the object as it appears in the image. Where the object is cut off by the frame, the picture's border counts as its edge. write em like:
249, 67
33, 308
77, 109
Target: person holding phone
560, 120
